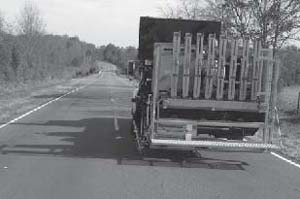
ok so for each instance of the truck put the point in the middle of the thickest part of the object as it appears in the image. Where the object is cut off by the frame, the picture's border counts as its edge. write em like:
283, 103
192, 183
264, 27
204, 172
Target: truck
202, 89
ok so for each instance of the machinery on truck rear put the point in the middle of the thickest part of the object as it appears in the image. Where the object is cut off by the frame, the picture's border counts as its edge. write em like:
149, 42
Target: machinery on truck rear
200, 88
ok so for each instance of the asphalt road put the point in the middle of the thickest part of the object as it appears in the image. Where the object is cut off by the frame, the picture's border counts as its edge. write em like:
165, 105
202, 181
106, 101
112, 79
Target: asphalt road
80, 147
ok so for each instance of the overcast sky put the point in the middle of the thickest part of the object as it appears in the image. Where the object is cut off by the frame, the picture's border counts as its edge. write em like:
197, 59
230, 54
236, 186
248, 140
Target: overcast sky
96, 21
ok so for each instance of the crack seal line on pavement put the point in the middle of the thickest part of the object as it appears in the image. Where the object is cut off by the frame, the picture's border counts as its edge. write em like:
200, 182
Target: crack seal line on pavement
46, 104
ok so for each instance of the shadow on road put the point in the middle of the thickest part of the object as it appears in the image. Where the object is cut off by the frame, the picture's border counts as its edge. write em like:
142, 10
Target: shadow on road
99, 139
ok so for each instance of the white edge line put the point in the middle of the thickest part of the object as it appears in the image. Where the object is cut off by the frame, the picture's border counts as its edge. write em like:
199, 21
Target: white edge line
285, 159
46, 104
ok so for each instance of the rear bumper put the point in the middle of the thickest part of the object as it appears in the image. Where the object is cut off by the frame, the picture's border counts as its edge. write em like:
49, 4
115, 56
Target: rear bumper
168, 143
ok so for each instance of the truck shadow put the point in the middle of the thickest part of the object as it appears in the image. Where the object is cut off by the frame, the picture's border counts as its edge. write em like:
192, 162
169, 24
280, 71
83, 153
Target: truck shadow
99, 139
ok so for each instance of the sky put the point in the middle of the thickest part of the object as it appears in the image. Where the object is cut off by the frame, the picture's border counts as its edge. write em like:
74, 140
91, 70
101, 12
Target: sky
95, 21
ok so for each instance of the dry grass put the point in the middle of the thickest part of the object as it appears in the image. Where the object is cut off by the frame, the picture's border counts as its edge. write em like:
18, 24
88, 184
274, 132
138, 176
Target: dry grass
289, 121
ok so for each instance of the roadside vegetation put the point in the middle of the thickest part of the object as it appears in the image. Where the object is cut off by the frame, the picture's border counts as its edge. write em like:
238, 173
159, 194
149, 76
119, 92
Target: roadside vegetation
289, 86
34, 62
29, 56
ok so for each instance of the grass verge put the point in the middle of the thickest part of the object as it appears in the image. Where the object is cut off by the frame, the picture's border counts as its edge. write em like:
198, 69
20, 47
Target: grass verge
289, 122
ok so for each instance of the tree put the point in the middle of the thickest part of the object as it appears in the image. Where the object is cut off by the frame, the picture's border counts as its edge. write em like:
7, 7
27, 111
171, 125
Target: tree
30, 21
1, 23
15, 59
290, 70
272, 21
5, 26
31, 28
187, 9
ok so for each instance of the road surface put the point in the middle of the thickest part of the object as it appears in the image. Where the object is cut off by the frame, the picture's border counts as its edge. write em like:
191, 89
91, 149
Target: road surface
80, 147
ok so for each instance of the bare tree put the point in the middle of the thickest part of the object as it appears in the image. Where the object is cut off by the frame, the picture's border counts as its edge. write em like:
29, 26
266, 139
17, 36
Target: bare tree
30, 21
186, 9
5, 25
1, 23
273, 21
31, 27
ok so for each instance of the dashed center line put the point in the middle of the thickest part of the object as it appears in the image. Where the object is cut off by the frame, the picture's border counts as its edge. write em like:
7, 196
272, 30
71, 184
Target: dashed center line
116, 123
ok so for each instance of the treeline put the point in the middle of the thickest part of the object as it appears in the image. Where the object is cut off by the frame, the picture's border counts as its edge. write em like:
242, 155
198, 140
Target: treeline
28, 54
25, 58
117, 55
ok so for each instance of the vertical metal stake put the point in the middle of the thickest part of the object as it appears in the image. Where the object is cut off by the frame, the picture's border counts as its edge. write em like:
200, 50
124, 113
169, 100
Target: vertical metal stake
298, 105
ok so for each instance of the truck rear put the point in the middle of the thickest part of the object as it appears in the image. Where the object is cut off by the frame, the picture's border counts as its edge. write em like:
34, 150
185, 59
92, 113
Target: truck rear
201, 89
